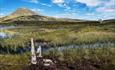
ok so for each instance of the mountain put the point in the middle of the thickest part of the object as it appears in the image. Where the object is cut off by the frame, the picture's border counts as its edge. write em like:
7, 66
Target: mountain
24, 14
109, 20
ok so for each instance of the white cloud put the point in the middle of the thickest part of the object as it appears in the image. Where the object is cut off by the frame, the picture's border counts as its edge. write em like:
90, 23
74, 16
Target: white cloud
58, 1
104, 9
66, 6
32, 1
95, 3
2, 15
107, 7
107, 15
46, 5
65, 15
110, 3
90, 2
90, 14
107, 11
62, 3
36, 10
39, 11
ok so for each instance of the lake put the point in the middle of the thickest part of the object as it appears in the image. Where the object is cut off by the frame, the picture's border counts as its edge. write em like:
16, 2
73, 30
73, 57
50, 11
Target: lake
4, 34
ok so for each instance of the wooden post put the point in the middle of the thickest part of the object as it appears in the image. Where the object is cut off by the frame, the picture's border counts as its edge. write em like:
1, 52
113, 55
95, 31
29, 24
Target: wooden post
33, 54
39, 51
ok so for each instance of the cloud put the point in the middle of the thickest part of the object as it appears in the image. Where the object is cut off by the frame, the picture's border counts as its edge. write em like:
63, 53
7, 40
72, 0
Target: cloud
104, 9
96, 8
110, 3
66, 6
36, 10
65, 15
2, 15
31, 1
90, 2
90, 14
34, 1
37, 2
105, 15
107, 7
46, 5
58, 1
106, 12
97, 3
62, 3
39, 11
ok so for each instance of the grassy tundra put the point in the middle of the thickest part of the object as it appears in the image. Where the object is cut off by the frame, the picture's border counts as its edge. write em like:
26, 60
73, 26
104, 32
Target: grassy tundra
74, 33
61, 34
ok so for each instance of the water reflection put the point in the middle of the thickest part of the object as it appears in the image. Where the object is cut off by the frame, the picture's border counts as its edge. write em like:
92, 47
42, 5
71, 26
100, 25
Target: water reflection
95, 45
5, 35
21, 50
6, 27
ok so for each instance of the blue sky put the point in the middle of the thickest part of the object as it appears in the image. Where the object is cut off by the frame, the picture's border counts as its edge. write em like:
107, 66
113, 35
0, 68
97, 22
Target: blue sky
77, 9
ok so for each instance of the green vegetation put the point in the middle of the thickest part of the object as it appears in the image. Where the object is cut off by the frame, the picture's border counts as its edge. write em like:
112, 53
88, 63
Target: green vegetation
97, 58
61, 34
13, 62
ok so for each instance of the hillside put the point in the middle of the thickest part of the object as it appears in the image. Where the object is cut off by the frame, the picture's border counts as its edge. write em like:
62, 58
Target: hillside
24, 14
109, 21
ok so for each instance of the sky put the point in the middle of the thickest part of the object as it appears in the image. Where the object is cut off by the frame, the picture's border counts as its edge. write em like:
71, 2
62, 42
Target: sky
75, 9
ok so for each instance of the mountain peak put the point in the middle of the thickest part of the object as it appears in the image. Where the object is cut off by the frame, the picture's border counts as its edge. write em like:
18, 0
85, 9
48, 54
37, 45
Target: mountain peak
23, 12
